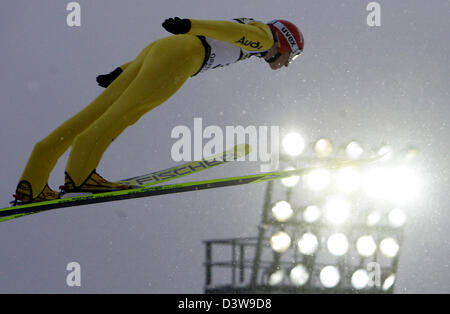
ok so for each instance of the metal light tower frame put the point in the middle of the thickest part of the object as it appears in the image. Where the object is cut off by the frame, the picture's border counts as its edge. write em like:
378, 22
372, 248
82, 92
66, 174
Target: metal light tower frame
253, 261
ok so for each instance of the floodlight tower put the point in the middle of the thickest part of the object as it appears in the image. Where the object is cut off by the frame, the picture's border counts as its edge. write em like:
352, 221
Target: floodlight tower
319, 233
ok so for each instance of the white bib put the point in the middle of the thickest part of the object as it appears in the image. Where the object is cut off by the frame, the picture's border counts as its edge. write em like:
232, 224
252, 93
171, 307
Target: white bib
222, 53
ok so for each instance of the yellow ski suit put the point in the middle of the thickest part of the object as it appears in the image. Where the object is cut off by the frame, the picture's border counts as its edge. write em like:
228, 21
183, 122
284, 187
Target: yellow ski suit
146, 82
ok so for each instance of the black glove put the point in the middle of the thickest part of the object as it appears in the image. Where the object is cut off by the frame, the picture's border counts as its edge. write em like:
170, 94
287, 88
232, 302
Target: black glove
105, 79
177, 25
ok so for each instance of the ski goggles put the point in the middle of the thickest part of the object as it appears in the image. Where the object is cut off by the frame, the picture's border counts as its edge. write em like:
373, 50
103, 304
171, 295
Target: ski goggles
294, 55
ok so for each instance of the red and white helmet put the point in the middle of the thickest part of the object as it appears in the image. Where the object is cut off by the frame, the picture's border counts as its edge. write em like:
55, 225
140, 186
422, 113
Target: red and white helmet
289, 38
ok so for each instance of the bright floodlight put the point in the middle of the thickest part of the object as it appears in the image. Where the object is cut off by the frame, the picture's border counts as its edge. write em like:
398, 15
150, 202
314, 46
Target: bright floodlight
337, 244
399, 184
318, 179
291, 181
280, 242
329, 276
397, 218
337, 210
411, 154
311, 213
366, 246
276, 277
282, 211
373, 218
323, 147
293, 144
388, 282
375, 180
308, 243
405, 185
299, 275
354, 150
348, 180
389, 247
360, 279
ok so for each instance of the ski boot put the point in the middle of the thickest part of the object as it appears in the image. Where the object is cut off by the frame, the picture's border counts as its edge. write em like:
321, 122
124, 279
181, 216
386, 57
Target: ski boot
24, 194
93, 184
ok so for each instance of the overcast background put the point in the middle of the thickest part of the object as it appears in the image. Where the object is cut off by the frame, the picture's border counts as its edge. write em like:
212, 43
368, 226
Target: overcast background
387, 84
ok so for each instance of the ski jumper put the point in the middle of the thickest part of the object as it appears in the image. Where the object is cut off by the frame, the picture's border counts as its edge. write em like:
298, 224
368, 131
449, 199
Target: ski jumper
155, 75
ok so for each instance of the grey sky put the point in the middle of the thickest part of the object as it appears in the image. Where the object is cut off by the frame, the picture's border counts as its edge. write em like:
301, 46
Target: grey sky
388, 84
